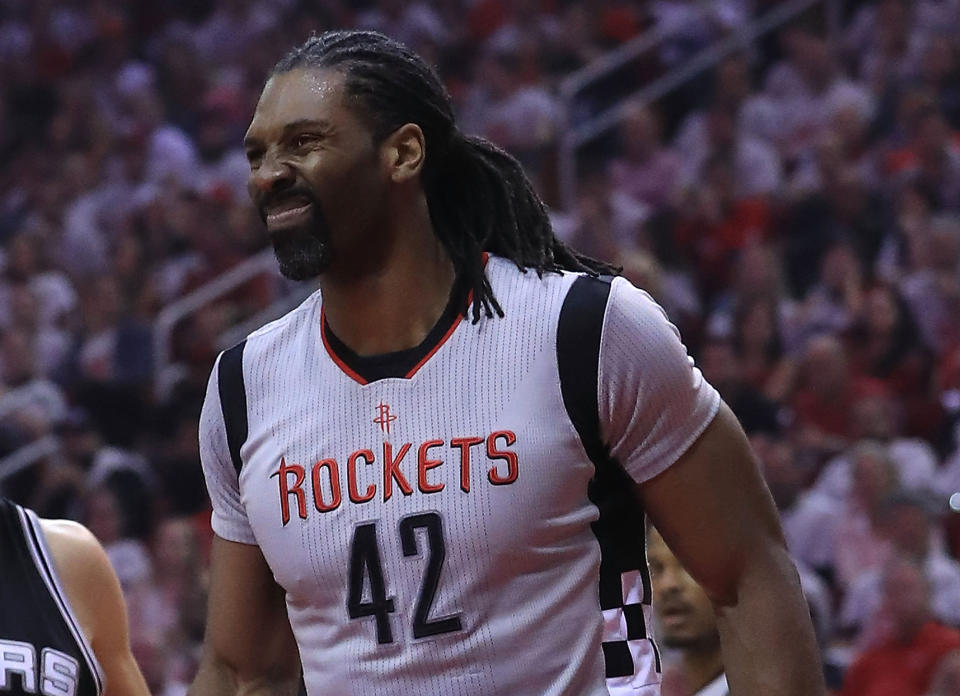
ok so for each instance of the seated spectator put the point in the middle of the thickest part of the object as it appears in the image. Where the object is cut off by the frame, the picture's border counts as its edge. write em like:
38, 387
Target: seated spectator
860, 546
605, 222
754, 166
833, 301
823, 402
881, 43
903, 662
809, 88
754, 114
884, 343
846, 213
877, 417
908, 524
714, 223
809, 517
758, 341
722, 367
30, 404
932, 287
932, 161
521, 118
647, 171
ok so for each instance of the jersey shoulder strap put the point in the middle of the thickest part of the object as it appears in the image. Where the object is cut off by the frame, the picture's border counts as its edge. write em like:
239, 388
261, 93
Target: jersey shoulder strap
233, 400
578, 358
624, 583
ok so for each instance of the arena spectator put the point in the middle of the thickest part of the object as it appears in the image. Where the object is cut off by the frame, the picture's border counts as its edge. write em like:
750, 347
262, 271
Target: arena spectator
902, 664
908, 524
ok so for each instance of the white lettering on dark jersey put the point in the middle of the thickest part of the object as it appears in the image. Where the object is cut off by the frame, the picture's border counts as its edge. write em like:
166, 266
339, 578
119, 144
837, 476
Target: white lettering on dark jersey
18, 658
58, 673
323, 483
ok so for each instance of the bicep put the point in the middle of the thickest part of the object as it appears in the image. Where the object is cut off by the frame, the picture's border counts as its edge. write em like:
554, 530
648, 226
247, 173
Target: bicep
247, 626
111, 640
713, 508
94, 592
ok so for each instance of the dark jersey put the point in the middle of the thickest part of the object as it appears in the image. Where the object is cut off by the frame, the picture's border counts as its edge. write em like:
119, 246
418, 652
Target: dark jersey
42, 650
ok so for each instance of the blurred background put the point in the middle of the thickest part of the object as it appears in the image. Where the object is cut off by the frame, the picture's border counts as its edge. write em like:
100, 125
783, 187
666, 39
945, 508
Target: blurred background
783, 177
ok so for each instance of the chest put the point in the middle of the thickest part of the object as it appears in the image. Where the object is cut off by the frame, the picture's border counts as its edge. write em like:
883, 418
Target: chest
481, 463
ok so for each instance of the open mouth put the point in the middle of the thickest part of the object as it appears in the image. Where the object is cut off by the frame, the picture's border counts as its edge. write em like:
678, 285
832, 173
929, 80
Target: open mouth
671, 616
288, 212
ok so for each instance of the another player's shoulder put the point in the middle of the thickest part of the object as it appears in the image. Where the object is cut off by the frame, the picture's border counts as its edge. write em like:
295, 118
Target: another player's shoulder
85, 573
75, 550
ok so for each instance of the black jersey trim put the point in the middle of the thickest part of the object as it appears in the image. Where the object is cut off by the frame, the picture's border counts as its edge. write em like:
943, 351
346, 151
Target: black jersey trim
43, 560
233, 401
620, 527
401, 364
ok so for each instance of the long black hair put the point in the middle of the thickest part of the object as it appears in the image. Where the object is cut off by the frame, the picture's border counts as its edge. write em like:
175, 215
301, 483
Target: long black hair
478, 195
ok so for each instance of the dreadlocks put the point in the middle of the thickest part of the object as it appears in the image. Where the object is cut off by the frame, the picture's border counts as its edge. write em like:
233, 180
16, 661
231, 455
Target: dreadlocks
478, 195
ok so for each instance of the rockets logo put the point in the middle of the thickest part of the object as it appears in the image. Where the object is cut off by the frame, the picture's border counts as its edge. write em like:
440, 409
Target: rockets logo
428, 467
384, 417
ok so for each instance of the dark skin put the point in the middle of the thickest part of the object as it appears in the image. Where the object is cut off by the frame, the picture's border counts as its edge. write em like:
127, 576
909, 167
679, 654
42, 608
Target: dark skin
385, 281
387, 268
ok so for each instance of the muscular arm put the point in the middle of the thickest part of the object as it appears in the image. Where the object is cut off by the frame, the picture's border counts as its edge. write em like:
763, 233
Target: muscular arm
94, 594
249, 647
713, 509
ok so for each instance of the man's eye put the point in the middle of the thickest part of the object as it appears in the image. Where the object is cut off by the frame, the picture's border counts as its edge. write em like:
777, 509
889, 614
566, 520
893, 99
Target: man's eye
304, 140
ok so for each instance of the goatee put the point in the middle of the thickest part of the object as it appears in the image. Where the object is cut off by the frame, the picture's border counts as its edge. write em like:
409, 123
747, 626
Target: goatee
302, 252
301, 255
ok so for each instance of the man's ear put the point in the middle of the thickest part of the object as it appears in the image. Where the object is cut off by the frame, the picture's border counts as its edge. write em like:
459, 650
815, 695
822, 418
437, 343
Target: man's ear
404, 151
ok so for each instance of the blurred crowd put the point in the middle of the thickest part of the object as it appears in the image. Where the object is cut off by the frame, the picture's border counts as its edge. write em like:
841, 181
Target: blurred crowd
796, 210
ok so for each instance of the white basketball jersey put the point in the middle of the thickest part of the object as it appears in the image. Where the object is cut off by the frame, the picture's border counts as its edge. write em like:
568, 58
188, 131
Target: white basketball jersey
461, 518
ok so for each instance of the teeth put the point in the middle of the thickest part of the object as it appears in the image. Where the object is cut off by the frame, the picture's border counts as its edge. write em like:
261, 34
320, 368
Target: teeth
292, 204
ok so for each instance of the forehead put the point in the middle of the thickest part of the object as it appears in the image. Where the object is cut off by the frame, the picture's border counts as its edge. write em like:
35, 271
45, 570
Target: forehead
302, 94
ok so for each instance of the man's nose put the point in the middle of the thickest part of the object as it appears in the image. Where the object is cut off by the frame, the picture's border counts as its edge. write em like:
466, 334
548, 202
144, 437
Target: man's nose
271, 175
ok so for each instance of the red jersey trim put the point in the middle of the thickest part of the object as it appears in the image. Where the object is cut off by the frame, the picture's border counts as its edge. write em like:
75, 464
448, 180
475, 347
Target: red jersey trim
360, 379
333, 355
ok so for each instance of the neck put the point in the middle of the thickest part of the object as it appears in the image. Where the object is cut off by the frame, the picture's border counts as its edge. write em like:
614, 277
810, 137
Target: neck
702, 665
391, 300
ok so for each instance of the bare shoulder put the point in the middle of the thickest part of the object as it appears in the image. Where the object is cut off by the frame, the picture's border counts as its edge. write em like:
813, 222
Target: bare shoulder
75, 550
83, 569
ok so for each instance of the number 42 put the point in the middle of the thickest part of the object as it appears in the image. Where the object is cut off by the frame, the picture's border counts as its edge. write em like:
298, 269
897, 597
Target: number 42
365, 562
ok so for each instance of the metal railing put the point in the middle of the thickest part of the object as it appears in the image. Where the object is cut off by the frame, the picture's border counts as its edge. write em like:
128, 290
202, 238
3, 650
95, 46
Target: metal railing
28, 455
171, 315
577, 135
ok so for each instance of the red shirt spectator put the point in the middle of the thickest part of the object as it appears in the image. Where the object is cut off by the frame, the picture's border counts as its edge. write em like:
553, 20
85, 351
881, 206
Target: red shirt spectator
895, 669
904, 663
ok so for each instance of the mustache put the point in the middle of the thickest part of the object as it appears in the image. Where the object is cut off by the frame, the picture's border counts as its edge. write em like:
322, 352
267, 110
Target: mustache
266, 200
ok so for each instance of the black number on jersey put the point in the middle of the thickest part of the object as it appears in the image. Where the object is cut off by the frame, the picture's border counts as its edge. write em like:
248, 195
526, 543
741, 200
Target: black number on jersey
431, 521
365, 556
365, 561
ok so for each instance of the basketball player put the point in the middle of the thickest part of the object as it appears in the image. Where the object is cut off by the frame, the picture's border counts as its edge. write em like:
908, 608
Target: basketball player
686, 623
63, 624
426, 476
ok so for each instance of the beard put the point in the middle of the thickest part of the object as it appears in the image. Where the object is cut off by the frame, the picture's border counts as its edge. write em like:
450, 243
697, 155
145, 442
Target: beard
303, 252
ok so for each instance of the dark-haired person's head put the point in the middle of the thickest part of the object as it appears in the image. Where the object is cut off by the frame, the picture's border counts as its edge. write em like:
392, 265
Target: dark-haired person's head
685, 615
353, 136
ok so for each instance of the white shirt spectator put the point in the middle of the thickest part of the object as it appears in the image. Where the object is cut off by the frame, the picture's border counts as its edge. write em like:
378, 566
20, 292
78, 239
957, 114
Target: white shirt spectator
810, 527
863, 599
757, 169
915, 461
